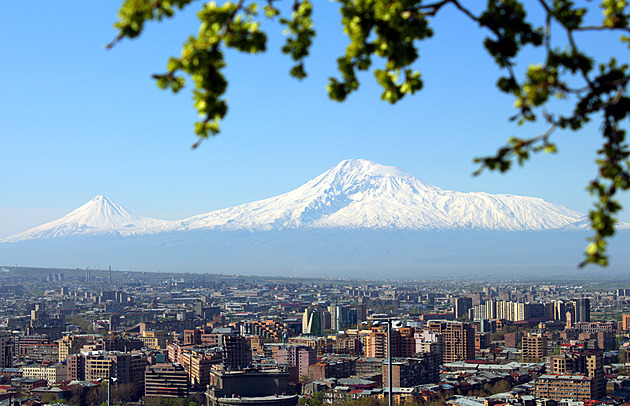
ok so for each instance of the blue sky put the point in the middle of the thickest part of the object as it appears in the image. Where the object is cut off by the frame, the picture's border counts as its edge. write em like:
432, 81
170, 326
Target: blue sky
77, 120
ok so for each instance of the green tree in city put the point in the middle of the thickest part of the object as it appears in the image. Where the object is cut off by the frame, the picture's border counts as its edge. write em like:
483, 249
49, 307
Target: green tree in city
160, 401
384, 37
97, 395
316, 400
623, 356
501, 387
369, 401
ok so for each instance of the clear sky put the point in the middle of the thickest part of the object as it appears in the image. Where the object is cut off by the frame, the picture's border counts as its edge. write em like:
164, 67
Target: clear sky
77, 120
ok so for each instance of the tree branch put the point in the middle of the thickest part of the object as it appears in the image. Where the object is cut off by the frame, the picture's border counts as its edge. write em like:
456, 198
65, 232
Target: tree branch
435, 8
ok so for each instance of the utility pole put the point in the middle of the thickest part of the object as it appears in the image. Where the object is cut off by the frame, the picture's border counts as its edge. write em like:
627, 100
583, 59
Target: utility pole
389, 358
109, 389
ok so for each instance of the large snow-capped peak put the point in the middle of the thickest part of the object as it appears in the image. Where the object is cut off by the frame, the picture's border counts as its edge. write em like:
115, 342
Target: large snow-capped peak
100, 215
362, 194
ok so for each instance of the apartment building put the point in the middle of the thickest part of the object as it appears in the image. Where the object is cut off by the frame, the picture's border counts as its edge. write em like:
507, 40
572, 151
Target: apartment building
558, 387
54, 373
534, 347
458, 340
166, 380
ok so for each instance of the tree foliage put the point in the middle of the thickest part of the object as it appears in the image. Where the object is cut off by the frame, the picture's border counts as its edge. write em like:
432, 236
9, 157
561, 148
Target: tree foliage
160, 401
623, 356
384, 38
316, 400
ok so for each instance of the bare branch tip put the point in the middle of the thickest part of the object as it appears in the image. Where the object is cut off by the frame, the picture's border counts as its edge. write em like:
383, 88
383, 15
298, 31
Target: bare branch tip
114, 42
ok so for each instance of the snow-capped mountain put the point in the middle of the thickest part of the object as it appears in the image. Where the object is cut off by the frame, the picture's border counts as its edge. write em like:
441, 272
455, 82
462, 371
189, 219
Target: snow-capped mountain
355, 194
359, 218
363, 194
100, 215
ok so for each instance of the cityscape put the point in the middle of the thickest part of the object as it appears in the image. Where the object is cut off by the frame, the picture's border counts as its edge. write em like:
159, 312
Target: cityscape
103, 336
280, 203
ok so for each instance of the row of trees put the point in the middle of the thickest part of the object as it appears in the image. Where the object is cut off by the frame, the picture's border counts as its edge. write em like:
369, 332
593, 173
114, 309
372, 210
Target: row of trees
122, 394
486, 390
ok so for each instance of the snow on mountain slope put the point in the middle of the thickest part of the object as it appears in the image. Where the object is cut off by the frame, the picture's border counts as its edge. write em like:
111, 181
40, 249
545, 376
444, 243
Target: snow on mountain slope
100, 215
585, 224
355, 194
362, 194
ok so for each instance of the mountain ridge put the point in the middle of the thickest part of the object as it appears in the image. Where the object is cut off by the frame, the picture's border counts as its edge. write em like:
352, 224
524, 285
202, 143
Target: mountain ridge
354, 194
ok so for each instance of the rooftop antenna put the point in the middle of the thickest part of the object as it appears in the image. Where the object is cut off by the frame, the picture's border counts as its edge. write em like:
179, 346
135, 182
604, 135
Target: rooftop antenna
110, 275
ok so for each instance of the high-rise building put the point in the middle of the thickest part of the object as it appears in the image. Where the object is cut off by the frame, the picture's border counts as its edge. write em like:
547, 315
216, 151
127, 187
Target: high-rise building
408, 372
72, 344
332, 368
512, 311
534, 347
313, 321
348, 344
428, 342
236, 352
462, 305
197, 362
403, 342
570, 321
512, 339
75, 364
582, 310
342, 316
588, 363
297, 356
458, 340
125, 367
559, 310
166, 380
594, 367
6, 349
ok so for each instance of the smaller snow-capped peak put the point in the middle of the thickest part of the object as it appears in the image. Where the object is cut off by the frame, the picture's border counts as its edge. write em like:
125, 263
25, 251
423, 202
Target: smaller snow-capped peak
100, 215
101, 212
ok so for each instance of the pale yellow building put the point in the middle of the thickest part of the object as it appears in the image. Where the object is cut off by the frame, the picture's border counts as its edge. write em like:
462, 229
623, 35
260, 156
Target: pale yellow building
126, 367
54, 373
155, 339
74, 344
